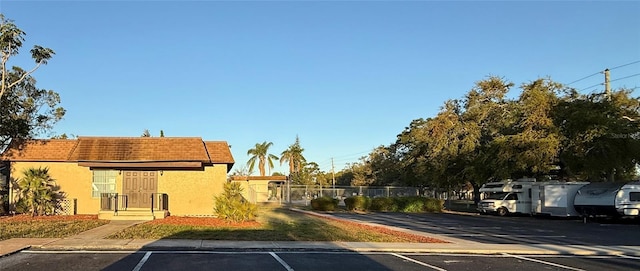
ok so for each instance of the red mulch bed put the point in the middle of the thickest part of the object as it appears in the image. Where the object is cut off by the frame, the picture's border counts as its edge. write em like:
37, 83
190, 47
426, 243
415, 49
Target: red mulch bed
203, 221
26, 217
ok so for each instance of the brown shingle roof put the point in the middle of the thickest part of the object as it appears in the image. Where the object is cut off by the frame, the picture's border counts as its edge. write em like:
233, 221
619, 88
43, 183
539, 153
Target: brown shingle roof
219, 152
54, 150
140, 149
123, 149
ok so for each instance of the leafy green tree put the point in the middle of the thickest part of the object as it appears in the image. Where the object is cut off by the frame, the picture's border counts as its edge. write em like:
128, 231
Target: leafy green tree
600, 135
261, 154
531, 145
37, 188
27, 111
11, 39
64, 136
310, 174
161, 133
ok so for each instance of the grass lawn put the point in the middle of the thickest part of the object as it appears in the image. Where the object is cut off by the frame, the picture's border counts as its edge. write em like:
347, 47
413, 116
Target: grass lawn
24, 226
273, 224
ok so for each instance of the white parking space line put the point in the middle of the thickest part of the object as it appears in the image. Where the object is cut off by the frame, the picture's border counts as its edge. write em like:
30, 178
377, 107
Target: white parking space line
418, 262
629, 257
543, 262
142, 261
281, 261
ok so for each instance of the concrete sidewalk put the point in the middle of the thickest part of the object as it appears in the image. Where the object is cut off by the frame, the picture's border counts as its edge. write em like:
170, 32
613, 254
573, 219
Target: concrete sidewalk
94, 240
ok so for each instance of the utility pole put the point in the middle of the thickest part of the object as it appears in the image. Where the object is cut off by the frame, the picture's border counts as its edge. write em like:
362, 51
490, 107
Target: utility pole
333, 177
607, 84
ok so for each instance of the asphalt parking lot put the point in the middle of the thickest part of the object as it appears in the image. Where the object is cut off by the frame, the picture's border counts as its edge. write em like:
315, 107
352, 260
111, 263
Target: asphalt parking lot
511, 230
302, 260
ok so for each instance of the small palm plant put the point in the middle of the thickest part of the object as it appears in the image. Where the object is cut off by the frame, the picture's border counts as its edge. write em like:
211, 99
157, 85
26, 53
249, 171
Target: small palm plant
36, 188
231, 205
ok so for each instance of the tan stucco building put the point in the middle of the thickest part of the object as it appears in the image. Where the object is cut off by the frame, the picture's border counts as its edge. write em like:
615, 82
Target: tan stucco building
261, 189
119, 176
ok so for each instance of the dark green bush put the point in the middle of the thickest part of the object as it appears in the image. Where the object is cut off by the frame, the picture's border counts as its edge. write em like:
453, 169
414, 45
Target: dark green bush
411, 204
419, 204
406, 205
359, 203
383, 205
434, 205
324, 204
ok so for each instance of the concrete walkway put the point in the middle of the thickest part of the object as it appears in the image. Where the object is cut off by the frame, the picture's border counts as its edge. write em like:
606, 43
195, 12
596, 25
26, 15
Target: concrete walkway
94, 240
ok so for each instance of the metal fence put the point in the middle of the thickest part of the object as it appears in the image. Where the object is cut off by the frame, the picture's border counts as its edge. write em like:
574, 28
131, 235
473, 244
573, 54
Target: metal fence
303, 194
66, 207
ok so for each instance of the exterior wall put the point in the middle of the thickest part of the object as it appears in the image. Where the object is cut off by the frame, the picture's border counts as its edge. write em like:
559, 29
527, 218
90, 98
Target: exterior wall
74, 181
191, 193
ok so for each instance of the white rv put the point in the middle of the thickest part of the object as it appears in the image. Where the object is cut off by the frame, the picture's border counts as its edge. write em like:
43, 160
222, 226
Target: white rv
506, 197
609, 199
628, 200
555, 198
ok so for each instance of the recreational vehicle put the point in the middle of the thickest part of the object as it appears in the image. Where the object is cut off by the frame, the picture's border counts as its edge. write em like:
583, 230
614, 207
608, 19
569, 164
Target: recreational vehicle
555, 198
507, 197
628, 200
608, 199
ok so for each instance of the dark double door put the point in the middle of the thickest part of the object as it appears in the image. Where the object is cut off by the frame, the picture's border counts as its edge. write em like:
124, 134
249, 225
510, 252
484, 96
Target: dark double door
139, 187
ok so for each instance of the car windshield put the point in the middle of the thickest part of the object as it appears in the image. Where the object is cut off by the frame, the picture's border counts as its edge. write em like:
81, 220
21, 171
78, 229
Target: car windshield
496, 195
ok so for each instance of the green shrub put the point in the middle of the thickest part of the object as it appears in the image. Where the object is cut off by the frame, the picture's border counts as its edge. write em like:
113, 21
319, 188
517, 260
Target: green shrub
360, 203
383, 205
324, 204
232, 206
434, 205
411, 204
419, 204
406, 205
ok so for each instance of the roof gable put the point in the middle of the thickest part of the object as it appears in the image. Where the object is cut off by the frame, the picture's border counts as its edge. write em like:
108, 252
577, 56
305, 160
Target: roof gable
219, 152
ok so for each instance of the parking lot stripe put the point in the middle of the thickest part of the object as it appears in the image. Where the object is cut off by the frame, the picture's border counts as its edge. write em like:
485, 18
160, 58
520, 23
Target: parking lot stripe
629, 257
543, 262
281, 261
142, 261
418, 262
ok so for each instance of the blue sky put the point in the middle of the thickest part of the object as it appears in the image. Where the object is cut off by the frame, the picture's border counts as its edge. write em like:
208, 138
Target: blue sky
343, 76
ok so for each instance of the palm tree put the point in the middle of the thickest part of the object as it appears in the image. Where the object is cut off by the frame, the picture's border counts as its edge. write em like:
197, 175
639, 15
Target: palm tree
293, 155
37, 189
260, 153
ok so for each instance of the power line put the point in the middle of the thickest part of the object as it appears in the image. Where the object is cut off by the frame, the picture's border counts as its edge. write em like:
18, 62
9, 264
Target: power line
625, 77
600, 84
576, 81
600, 72
631, 63
617, 79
